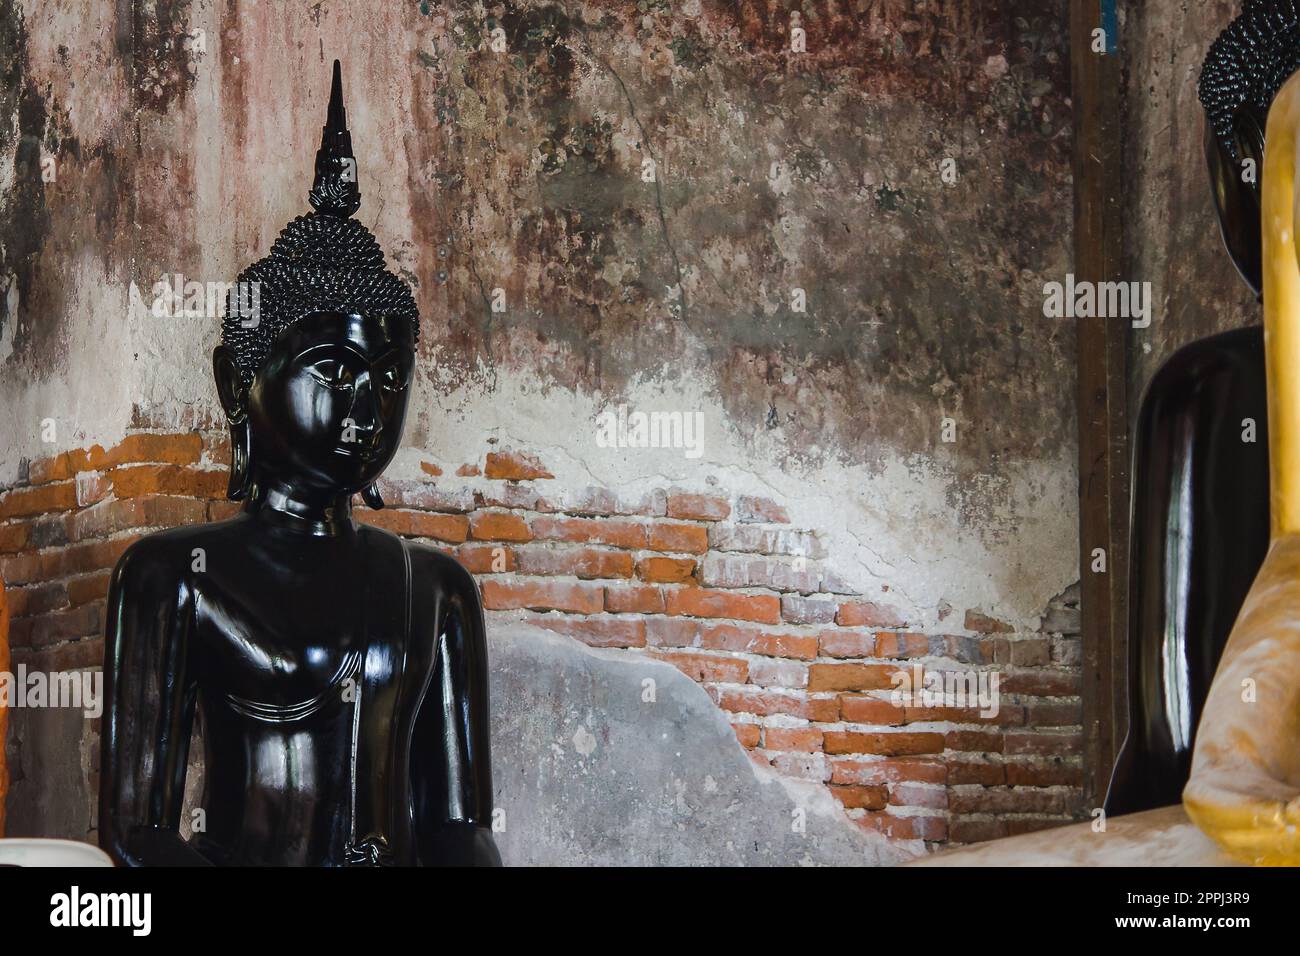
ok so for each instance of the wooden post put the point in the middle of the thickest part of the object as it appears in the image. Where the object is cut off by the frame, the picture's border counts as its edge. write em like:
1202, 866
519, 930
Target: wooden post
4, 668
1102, 391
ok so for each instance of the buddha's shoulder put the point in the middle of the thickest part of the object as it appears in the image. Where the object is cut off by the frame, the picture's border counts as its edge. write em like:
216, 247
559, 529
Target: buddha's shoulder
430, 566
1204, 376
1237, 351
162, 558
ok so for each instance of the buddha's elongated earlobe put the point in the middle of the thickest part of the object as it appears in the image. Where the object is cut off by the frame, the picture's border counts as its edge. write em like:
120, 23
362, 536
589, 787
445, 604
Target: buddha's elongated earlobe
241, 454
233, 396
370, 495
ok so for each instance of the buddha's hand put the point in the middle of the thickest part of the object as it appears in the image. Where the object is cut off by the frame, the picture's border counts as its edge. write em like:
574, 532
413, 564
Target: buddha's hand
1244, 790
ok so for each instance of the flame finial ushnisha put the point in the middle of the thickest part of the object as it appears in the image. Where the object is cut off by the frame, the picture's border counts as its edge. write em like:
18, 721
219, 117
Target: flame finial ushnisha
335, 191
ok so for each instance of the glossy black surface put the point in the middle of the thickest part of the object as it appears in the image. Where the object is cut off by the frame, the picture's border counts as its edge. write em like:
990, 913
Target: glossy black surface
1235, 189
302, 638
1199, 525
1199, 534
339, 673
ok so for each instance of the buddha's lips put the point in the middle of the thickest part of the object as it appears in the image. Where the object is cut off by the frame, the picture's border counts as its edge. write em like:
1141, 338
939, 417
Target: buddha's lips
364, 452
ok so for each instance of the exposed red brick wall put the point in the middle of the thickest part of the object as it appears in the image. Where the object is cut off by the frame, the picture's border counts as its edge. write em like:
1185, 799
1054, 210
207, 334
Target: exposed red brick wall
721, 587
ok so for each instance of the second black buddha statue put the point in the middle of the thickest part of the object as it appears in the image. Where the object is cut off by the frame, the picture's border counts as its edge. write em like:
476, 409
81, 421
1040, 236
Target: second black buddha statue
1200, 516
341, 672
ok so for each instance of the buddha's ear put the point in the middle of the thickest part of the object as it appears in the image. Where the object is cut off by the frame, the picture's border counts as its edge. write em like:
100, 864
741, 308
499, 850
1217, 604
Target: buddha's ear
234, 401
371, 496
1236, 187
230, 384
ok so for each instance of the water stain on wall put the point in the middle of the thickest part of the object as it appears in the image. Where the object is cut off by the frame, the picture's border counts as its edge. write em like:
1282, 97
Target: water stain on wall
650, 191
69, 195
773, 172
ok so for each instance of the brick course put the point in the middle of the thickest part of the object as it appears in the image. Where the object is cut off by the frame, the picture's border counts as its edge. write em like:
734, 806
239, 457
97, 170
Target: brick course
722, 587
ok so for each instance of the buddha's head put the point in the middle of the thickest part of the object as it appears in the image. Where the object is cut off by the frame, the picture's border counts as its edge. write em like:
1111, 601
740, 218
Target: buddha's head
1244, 70
318, 346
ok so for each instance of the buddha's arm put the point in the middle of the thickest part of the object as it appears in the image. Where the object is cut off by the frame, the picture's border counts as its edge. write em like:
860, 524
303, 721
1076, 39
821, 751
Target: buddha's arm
1244, 789
149, 712
451, 766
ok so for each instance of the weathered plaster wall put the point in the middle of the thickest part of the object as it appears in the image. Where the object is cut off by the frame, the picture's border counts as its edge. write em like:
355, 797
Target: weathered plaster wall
590, 768
479, 173
1171, 235
182, 137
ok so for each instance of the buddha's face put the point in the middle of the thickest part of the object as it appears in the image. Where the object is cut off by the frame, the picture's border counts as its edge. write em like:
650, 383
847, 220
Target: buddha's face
327, 406
1236, 187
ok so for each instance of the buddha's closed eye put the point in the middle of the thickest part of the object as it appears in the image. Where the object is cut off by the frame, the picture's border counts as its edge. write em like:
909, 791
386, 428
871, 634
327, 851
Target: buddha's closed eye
332, 374
337, 375
391, 379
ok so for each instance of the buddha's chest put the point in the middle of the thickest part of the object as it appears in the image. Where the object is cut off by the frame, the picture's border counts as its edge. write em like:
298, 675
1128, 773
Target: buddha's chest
309, 710
298, 655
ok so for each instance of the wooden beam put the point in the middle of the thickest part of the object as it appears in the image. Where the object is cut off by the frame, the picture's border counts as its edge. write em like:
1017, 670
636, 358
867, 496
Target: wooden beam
1102, 402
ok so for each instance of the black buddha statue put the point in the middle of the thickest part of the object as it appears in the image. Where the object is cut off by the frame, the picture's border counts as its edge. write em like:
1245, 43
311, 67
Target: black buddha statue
1200, 500
340, 672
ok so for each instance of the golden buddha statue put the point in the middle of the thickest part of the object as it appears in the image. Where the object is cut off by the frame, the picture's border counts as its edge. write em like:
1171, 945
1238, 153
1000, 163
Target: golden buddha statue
1244, 789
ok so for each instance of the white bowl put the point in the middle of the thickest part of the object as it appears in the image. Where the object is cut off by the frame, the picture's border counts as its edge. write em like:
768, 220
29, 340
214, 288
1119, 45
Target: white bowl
24, 852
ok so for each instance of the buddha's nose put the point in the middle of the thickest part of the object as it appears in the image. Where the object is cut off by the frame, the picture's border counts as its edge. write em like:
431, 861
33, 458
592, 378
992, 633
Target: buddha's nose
366, 413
